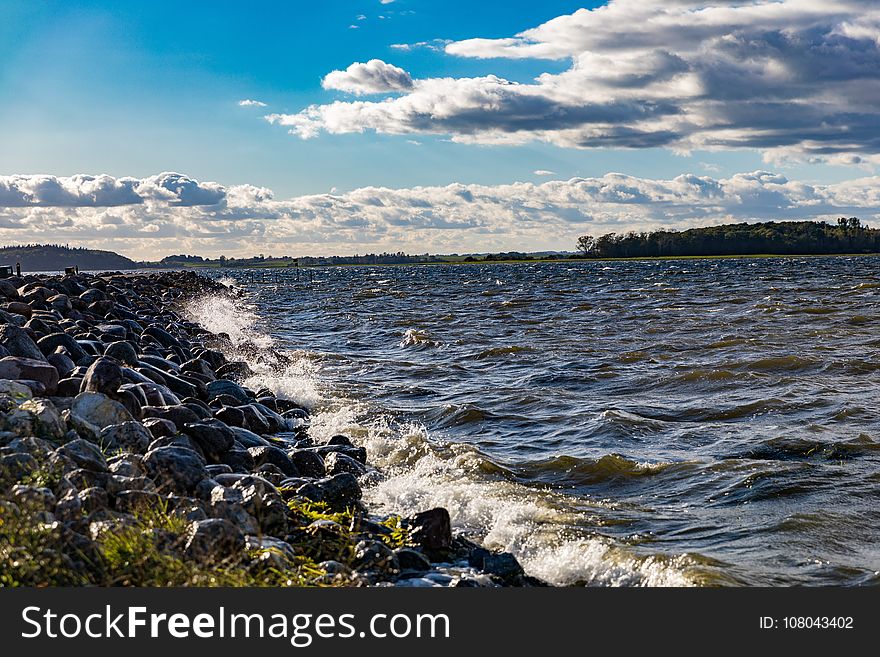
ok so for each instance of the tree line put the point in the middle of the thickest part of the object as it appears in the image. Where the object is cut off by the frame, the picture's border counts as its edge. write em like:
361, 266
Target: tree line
848, 235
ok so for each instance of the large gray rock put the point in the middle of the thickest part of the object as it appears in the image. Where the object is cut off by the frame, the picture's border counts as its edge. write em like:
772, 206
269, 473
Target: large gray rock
214, 437
127, 437
34, 417
123, 352
340, 491
92, 411
22, 368
336, 462
175, 468
432, 529
226, 387
85, 454
51, 342
104, 376
19, 343
213, 540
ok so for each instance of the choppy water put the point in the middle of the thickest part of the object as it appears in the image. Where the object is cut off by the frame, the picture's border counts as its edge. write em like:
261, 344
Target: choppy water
627, 423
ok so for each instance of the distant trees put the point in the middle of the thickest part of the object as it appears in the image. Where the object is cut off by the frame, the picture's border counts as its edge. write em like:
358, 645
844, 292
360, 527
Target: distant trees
55, 257
771, 237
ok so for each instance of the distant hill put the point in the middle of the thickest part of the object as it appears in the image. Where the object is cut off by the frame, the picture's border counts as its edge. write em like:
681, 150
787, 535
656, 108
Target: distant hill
53, 257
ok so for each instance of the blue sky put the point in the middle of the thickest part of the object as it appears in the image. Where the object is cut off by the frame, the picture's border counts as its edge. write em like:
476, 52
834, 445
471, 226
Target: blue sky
136, 89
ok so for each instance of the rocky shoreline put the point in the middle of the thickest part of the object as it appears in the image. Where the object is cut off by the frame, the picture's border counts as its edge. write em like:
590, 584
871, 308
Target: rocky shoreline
131, 453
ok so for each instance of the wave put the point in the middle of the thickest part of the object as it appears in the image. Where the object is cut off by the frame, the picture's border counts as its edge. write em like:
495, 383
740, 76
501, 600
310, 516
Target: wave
611, 468
418, 338
496, 352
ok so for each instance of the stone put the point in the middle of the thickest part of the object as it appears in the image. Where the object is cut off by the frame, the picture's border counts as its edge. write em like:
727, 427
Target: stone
179, 415
104, 376
248, 438
238, 370
93, 499
213, 540
254, 420
238, 460
122, 351
412, 560
159, 427
92, 411
339, 492
33, 498
214, 437
263, 501
62, 364
308, 464
133, 500
276, 456
69, 387
336, 462
375, 556
60, 302
19, 308
119, 483
19, 367
34, 417
226, 387
503, 565
85, 454
175, 468
17, 341
126, 437
162, 336
51, 342
432, 529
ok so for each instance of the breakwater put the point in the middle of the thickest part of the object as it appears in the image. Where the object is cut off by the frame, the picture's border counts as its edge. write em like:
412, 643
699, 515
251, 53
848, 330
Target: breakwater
132, 453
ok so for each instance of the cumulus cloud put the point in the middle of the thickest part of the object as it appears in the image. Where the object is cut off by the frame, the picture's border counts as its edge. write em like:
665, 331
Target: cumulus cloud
794, 78
372, 77
154, 216
544, 172
249, 102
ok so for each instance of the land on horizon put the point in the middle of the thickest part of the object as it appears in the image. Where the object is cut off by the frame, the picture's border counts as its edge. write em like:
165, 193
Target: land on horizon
791, 238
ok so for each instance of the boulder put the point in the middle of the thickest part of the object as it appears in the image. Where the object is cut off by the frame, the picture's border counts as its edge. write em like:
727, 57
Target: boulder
19, 367
17, 341
92, 411
104, 375
213, 540
432, 529
214, 437
85, 454
51, 342
175, 468
339, 492
126, 437
123, 352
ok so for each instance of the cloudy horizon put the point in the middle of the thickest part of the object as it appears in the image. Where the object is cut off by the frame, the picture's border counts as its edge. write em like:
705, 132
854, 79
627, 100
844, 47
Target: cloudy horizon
419, 132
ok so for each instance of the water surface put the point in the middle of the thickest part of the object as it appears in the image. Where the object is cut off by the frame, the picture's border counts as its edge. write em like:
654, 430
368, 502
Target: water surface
612, 423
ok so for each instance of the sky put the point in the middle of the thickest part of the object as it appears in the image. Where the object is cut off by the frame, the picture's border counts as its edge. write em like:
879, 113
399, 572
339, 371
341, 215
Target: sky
373, 125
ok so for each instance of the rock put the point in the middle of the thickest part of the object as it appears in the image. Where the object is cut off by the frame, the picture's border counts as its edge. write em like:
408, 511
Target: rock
104, 376
62, 364
85, 454
162, 336
93, 499
123, 352
340, 491
308, 464
248, 438
127, 465
133, 501
230, 415
344, 441
15, 467
375, 556
432, 529
412, 561
226, 387
34, 417
179, 415
126, 437
503, 565
19, 308
213, 540
214, 437
175, 468
60, 302
17, 341
239, 460
92, 411
119, 483
159, 427
238, 370
254, 420
51, 342
276, 456
336, 462
33, 498
263, 501
19, 367
357, 453
69, 387
198, 366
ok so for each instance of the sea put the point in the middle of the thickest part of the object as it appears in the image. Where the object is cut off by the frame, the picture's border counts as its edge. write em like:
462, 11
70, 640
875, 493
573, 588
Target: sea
700, 422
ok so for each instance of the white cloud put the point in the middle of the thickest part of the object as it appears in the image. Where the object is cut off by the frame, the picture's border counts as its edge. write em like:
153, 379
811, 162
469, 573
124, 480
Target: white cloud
792, 78
544, 172
151, 217
385, 2
372, 77
251, 103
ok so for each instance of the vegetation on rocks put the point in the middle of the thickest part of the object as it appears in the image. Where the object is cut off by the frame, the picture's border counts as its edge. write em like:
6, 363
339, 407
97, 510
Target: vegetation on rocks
131, 453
